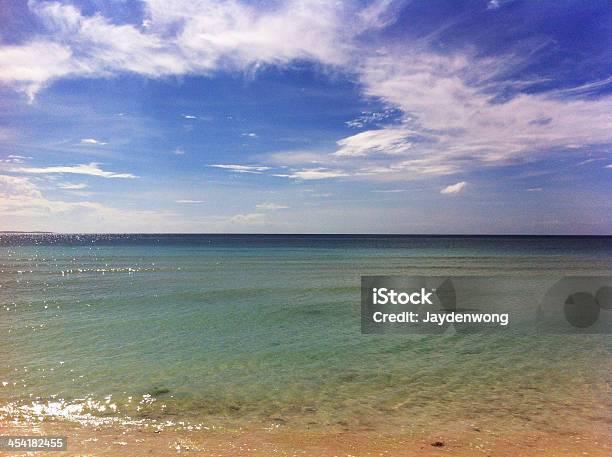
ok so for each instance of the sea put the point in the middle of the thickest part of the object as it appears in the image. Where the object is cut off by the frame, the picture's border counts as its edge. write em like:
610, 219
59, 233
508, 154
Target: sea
263, 331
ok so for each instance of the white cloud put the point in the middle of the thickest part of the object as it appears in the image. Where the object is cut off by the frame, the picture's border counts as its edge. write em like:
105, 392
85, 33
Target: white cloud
313, 173
379, 14
178, 152
369, 117
250, 135
269, 206
454, 188
298, 158
23, 206
188, 202
183, 37
71, 186
92, 141
20, 196
495, 4
391, 140
194, 117
389, 191
30, 66
14, 158
609, 166
321, 195
17, 186
215, 33
241, 168
248, 219
534, 189
452, 122
91, 169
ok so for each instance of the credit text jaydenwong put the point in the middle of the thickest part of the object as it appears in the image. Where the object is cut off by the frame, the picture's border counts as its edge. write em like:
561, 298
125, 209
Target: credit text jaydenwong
424, 304
385, 296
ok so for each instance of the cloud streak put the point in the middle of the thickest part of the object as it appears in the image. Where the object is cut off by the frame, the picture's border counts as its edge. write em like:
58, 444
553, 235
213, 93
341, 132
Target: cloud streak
269, 206
313, 174
92, 141
92, 169
248, 219
71, 186
236, 168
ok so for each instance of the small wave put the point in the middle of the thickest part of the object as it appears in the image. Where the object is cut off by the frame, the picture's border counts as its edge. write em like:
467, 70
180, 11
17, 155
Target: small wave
88, 412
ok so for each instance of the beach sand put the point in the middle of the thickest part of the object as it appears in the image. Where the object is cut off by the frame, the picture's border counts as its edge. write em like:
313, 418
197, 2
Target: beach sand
116, 440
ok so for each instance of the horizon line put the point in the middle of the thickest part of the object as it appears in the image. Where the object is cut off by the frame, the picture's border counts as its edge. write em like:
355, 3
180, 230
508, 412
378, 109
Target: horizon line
457, 235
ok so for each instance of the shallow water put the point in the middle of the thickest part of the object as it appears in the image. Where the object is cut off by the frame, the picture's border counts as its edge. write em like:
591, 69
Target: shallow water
256, 330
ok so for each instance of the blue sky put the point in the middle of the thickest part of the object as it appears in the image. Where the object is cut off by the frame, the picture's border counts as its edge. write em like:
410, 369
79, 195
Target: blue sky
306, 117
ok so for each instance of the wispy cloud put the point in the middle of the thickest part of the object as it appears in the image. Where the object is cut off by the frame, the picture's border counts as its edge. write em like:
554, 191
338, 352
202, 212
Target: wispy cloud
590, 160
452, 123
587, 88
14, 158
371, 117
71, 186
248, 219
178, 152
21, 197
197, 117
241, 168
534, 189
454, 188
449, 119
269, 206
313, 174
389, 141
292, 158
495, 4
250, 135
92, 169
92, 141
189, 202
22, 204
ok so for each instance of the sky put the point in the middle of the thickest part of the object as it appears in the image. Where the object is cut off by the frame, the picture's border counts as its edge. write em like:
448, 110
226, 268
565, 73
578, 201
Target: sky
200, 116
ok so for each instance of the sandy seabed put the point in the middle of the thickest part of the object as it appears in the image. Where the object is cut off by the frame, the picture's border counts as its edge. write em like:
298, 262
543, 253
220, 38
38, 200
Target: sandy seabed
117, 440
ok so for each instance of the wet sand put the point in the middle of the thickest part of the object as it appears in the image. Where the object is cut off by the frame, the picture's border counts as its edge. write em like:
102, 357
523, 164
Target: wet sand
462, 440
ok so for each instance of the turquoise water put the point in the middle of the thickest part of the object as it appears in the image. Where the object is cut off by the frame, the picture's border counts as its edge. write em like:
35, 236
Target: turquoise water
253, 331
